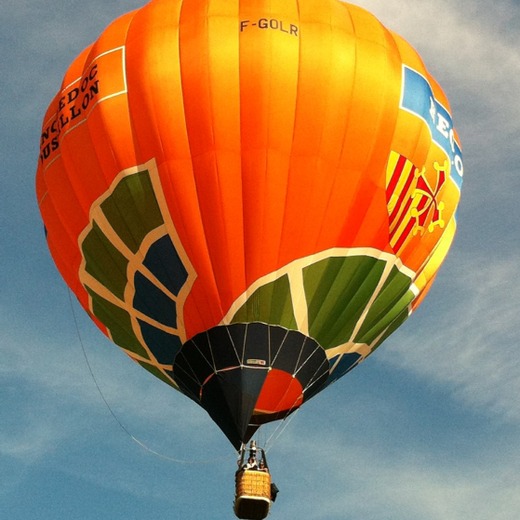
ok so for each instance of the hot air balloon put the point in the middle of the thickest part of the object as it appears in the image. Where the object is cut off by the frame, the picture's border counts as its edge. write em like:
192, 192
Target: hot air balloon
248, 197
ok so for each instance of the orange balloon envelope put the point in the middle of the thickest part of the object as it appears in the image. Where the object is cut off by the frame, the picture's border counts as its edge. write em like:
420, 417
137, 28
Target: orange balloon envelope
249, 196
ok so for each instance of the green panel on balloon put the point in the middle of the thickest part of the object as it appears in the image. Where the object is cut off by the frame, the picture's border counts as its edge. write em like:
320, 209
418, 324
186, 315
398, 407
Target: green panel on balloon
338, 290
398, 321
394, 298
118, 322
157, 373
104, 262
132, 209
270, 303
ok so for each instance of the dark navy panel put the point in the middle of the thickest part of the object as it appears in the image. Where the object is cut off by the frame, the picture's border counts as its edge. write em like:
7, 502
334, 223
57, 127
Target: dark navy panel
257, 342
203, 346
164, 262
313, 369
230, 397
318, 382
238, 336
226, 354
258, 420
164, 346
277, 336
188, 383
347, 363
289, 352
195, 359
150, 300
218, 409
229, 390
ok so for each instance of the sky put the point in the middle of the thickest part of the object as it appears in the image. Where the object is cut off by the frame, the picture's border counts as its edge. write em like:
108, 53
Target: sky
428, 428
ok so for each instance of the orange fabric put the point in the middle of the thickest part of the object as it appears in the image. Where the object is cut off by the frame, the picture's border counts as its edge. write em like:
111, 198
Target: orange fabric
280, 392
271, 123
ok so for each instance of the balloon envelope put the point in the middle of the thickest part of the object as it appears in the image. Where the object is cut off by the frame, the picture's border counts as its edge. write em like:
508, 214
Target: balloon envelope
249, 197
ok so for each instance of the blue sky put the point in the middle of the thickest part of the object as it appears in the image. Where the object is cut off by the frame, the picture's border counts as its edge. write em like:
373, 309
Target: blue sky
428, 428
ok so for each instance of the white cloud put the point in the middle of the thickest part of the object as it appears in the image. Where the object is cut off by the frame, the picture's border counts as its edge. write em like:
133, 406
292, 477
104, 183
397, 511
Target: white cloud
469, 343
338, 476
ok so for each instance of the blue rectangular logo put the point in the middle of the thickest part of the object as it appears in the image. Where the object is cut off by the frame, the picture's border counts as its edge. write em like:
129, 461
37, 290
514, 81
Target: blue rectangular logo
418, 98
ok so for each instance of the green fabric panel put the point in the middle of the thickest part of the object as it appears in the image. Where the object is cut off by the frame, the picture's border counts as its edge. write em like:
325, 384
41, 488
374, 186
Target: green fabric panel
337, 291
393, 299
157, 373
271, 304
104, 262
132, 209
401, 318
118, 322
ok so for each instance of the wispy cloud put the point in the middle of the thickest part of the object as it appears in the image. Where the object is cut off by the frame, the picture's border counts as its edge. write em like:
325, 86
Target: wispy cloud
468, 344
345, 477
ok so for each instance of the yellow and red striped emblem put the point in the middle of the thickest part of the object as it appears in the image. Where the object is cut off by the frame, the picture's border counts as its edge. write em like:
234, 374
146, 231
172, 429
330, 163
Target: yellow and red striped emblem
412, 200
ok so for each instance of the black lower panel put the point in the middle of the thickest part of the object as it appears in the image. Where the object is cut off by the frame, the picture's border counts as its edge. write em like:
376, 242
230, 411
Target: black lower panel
229, 397
224, 370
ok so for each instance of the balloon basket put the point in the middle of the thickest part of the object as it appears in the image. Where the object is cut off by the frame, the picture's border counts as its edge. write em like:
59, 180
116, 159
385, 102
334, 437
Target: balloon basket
253, 494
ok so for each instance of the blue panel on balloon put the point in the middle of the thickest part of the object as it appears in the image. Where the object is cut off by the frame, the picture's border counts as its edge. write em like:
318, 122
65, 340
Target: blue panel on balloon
164, 262
163, 346
150, 300
346, 364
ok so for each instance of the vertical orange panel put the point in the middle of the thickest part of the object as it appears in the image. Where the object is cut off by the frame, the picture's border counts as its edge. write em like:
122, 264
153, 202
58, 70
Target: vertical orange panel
268, 68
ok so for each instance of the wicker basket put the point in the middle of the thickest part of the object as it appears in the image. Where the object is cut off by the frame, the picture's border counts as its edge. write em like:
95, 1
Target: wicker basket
253, 494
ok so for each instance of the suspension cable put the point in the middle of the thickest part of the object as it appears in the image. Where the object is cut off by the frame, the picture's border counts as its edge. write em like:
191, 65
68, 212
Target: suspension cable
113, 414
284, 423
